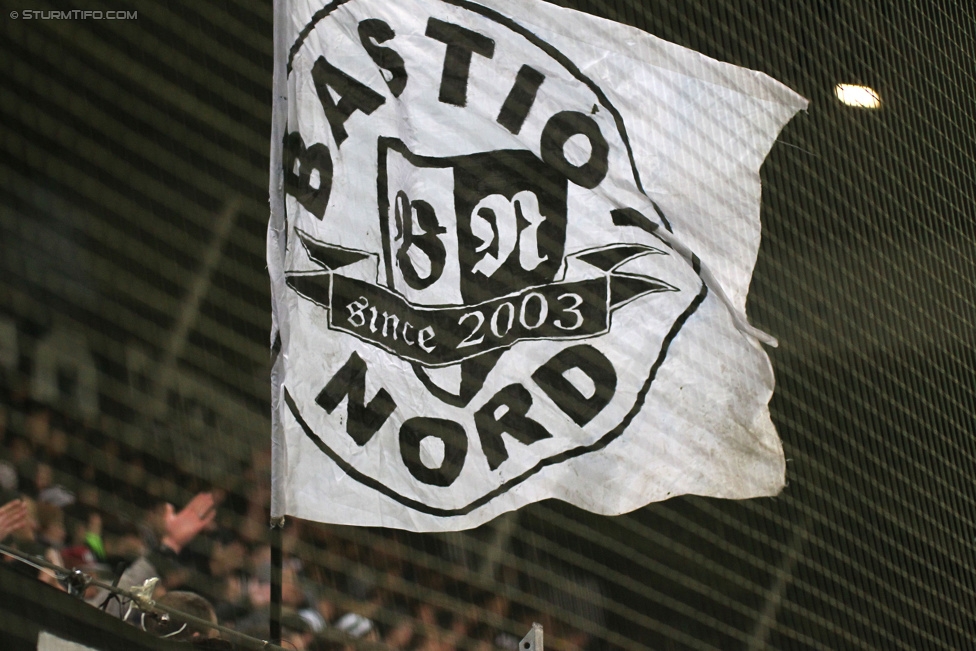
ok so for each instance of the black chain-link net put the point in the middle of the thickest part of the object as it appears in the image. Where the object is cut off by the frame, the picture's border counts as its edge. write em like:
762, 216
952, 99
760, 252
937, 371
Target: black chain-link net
135, 310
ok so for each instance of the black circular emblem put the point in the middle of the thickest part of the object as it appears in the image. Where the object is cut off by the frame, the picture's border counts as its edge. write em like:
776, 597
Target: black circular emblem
478, 293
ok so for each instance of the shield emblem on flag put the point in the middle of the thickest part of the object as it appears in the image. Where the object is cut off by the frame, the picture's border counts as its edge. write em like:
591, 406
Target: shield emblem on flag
468, 229
502, 216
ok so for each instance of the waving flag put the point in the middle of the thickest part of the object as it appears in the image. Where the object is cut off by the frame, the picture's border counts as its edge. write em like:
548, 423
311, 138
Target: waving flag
510, 248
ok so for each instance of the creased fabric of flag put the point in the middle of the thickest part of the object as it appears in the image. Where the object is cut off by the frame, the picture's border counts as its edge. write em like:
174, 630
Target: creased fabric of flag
510, 248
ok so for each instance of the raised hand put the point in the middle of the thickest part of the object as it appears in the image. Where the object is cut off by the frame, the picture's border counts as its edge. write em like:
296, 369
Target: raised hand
13, 516
182, 527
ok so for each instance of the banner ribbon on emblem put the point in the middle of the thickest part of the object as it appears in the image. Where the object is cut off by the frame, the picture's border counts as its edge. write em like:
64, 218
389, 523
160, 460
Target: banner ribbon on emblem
436, 336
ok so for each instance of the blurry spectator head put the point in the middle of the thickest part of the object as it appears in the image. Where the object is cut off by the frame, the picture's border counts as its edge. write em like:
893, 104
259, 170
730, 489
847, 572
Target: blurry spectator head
20, 451
80, 521
57, 443
291, 588
326, 608
50, 524
497, 604
361, 584
38, 427
43, 477
461, 624
316, 623
260, 461
427, 614
153, 525
88, 495
123, 541
295, 631
259, 557
357, 626
231, 600
8, 476
22, 457
172, 627
401, 634
57, 495
227, 554
134, 470
259, 587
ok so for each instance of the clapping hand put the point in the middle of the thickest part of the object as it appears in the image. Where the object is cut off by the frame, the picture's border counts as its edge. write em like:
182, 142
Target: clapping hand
13, 516
182, 527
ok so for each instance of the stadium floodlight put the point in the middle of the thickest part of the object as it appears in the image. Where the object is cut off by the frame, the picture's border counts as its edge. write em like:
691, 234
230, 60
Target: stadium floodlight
858, 96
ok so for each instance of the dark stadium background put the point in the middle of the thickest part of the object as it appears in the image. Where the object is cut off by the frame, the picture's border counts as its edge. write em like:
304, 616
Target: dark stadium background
133, 211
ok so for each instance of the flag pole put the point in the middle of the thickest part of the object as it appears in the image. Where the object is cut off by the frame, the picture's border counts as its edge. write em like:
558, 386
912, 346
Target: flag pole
277, 238
277, 524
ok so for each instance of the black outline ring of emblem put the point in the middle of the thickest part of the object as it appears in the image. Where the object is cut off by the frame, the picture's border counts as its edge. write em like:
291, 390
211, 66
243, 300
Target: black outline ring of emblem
604, 440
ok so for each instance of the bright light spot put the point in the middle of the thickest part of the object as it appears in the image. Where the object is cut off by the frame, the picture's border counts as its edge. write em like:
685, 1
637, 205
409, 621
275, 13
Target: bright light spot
858, 96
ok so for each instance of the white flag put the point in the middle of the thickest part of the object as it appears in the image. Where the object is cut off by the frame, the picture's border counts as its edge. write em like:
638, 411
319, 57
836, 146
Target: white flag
510, 249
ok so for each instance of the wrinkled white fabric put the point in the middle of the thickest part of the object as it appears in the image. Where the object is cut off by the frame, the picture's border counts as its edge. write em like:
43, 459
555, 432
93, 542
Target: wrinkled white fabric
582, 337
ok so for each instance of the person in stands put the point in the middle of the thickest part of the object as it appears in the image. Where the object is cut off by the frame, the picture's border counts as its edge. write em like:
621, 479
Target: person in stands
172, 627
180, 527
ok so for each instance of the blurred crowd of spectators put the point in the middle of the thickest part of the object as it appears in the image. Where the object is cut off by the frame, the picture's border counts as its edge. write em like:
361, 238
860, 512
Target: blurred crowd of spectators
83, 500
